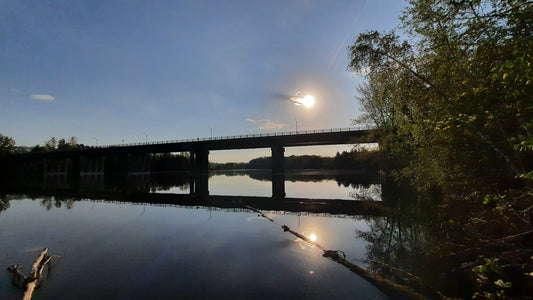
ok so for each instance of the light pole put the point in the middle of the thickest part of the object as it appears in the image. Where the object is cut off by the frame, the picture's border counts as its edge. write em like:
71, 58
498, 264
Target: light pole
211, 131
96, 141
146, 137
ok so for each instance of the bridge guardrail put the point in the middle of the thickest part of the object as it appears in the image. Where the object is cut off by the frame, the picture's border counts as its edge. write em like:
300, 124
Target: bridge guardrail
299, 132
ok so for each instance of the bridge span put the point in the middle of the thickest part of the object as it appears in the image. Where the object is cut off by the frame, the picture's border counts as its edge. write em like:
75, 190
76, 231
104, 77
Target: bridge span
134, 158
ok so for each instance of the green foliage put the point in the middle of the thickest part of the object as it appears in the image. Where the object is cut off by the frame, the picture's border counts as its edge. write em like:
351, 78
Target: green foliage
54, 144
454, 107
7, 144
358, 160
489, 267
502, 284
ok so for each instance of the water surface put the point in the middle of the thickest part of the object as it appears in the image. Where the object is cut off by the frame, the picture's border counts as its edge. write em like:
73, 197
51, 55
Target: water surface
123, 250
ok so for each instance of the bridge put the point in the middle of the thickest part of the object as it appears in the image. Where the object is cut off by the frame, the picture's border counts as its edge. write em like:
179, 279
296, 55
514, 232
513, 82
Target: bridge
133, 159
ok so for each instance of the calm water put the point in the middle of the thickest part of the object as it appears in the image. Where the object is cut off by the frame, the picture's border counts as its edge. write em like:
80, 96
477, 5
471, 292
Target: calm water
138, 250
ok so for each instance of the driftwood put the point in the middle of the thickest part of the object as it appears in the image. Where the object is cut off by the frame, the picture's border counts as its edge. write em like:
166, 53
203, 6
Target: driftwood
387, 286
259, 212
37, 274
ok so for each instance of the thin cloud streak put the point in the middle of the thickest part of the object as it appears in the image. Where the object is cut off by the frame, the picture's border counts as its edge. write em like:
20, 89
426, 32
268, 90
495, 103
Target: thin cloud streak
267, 124
42, 97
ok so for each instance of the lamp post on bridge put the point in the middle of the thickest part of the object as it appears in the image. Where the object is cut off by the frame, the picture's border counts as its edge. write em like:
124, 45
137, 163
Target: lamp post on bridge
299, 99
146, 137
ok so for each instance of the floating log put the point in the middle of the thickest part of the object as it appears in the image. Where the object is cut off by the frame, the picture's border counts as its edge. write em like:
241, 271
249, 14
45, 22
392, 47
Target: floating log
389, 287
36, 266
36, 275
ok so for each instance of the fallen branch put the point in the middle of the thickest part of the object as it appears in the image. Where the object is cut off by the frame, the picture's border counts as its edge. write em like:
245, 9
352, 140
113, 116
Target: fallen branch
411, 279
36, 277
389, 287
259, 212
519, 238
35, 267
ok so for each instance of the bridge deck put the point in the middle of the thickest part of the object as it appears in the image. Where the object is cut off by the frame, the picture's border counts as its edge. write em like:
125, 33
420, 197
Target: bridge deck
283, 139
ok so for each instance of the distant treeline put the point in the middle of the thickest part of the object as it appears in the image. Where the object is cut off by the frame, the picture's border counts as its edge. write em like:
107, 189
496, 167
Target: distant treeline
168, 162
342, 161
353, 160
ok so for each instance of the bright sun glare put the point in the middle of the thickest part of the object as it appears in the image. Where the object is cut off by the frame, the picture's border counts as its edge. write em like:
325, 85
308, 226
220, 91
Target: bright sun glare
308, 101
312, 237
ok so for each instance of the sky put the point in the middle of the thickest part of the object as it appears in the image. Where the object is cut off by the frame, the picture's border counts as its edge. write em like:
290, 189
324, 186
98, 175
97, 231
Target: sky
111, 72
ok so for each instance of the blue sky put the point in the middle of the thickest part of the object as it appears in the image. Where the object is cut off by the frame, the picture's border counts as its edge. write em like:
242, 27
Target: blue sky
109, 71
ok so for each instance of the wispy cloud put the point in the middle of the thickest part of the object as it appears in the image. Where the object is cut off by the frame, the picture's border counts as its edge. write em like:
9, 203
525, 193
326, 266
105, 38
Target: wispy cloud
42, 97
267, 124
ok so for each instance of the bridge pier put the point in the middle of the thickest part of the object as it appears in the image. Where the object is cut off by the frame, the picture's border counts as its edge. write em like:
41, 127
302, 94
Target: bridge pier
56, 172
30, 171
278, 186
91, 172
199, 161
91, 165
278, 160
199, 183
278, 172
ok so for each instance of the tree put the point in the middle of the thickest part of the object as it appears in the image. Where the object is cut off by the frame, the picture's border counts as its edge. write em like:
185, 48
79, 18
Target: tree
455, 103
51, 144
54, 144
454, 106
7, 144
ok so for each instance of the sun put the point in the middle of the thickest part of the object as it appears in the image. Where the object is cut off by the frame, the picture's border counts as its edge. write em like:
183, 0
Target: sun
308, 101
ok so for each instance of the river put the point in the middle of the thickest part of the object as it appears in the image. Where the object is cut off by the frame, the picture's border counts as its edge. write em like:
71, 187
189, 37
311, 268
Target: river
147, 237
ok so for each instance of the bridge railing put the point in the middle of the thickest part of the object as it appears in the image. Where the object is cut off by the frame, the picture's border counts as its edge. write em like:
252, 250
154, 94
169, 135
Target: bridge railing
232, 137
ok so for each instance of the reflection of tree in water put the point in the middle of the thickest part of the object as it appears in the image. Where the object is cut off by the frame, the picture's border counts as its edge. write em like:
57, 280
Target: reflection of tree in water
346, 179
404, 241
4, 203
58, 202
164, 182
366, 192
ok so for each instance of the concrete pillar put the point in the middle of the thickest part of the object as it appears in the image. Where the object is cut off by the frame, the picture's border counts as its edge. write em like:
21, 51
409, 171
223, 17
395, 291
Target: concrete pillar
278, 160
278, 172
91, 165
191, 183
191, 166
201, 185
278, 186
200, 161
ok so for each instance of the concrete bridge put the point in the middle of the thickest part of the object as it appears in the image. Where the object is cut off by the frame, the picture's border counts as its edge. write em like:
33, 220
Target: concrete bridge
133, 159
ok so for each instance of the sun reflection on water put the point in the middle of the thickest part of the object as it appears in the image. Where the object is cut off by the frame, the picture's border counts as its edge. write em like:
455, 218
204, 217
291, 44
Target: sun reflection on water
312, 237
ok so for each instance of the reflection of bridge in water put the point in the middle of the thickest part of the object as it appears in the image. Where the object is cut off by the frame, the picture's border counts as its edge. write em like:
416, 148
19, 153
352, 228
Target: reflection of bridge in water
134, 159
297, 206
